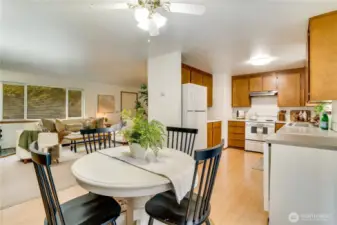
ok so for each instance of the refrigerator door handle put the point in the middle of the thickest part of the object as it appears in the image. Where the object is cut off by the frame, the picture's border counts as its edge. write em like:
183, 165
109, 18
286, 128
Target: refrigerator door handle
199, 111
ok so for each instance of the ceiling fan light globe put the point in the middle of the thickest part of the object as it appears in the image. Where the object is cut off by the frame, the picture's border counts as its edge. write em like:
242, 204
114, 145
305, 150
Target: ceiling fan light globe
144, 25
159, 20
153, 28
141, 14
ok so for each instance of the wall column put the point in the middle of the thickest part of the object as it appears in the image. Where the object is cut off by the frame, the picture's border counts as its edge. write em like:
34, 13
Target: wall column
164, 88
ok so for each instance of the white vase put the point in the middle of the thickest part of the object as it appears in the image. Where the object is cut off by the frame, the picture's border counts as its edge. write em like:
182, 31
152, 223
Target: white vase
137, 151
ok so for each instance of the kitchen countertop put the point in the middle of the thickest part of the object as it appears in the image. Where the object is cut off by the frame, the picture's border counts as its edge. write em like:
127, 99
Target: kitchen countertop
311, 137
248, 120
212, 121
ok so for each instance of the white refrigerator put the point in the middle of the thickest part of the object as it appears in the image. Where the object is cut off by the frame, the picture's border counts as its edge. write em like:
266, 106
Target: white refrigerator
194, 112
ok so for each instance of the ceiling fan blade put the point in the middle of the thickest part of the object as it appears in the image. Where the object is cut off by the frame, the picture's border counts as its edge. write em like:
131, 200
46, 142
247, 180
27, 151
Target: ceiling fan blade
187, 8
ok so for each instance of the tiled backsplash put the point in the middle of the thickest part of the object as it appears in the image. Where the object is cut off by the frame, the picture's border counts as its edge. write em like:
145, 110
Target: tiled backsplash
267, 107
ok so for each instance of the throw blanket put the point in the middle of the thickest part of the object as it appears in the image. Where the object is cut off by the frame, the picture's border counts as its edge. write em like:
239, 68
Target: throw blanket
176, 166
27, 137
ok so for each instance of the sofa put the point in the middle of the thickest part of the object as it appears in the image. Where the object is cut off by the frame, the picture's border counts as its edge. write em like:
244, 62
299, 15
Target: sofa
64, 127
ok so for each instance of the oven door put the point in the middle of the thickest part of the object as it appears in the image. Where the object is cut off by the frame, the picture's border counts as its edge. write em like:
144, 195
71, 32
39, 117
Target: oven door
256, 131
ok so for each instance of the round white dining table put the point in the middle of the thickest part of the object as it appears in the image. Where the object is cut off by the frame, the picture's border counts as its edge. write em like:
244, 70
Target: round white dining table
101, 174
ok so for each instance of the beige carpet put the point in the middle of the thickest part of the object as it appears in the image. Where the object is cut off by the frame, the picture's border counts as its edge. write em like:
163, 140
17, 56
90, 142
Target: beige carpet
18, 180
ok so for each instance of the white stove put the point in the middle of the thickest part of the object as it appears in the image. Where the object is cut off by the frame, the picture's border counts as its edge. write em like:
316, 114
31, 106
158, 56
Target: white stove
256, 134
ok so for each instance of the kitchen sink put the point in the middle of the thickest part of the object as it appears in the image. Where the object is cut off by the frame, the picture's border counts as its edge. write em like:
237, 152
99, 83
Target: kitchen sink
299, 124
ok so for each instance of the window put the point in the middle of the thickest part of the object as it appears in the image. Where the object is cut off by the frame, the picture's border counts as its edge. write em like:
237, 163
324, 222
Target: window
74, 103
46, 102
22, 101
13, 101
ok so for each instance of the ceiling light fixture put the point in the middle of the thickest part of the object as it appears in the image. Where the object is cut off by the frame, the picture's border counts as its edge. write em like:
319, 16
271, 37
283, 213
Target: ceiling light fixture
261, 60
146, 12
149, 22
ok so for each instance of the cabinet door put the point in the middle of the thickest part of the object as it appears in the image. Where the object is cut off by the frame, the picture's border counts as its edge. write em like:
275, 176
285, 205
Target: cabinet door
196, 77
269, 83
209, 135
240, 92
289, 90
278, 126
255, 83
207, 81
216, 133
185, 75
322, 57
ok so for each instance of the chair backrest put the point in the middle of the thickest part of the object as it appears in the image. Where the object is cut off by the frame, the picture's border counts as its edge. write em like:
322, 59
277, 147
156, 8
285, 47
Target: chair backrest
182, 139
97, 139
207, 163
42, 162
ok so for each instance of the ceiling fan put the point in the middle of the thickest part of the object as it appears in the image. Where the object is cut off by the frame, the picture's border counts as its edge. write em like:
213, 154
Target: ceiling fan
147, 15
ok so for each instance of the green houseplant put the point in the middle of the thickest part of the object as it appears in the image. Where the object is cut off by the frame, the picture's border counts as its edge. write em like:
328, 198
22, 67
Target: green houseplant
144, 134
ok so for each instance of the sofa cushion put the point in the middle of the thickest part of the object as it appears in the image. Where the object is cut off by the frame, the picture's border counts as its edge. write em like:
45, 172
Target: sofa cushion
74, 127
100, 122
60, 126
48, 124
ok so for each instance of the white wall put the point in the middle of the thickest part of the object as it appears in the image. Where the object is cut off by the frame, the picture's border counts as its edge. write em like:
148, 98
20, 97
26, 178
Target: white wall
222, 100
164, 86
90, 91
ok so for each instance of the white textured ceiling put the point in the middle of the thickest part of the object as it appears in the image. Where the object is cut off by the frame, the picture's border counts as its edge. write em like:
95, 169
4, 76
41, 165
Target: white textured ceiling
67, 38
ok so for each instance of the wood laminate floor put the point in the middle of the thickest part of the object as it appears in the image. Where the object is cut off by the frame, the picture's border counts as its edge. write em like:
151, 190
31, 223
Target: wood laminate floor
237, 198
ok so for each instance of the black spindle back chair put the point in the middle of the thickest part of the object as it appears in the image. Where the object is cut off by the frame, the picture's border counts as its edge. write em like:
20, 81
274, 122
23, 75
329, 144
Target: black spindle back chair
182, 139
86, 209
42, 162
97, 139
195, 209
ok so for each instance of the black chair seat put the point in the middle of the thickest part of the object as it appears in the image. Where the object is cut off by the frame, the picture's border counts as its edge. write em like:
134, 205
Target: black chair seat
165, 208
89, 209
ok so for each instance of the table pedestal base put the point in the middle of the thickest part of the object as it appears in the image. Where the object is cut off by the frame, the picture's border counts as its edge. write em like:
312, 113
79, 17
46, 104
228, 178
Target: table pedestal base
135, 213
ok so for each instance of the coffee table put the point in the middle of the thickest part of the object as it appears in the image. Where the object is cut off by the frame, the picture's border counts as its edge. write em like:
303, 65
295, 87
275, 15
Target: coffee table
77, 138
74, 140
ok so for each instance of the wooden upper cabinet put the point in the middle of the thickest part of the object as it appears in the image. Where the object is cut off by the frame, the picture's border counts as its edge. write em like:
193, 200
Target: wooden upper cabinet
207, 81
196, 77
185, 75
240, 92
269, 83
255, 83
289, 89
323, 57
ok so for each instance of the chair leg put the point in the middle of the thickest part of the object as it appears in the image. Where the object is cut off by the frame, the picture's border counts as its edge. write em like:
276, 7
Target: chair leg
150, 221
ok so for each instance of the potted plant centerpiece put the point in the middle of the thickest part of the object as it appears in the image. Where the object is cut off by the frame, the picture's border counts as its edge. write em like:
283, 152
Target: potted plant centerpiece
144, 135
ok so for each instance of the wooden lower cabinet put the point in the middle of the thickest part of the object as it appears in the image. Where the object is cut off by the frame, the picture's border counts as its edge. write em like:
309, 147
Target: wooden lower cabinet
209, 135
236, 134
214, 133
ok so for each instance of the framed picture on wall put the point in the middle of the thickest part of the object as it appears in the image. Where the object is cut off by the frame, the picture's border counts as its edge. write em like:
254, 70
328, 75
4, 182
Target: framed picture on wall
106, 104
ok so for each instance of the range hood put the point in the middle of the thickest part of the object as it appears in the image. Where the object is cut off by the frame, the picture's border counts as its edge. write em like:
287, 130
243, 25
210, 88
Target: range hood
262, 93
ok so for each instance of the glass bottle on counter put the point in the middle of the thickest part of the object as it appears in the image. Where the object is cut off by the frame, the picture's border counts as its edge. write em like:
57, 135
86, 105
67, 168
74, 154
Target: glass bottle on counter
324, 124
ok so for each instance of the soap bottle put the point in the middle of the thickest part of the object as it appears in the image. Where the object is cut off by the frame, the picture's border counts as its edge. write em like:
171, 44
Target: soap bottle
324, 121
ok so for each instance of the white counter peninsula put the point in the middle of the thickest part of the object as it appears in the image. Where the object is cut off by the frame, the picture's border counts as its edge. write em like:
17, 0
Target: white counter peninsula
300, 176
